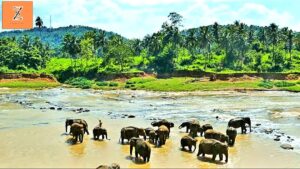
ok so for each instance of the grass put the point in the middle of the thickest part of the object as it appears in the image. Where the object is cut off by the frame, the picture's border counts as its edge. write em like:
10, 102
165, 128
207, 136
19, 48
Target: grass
28, 84
185, 84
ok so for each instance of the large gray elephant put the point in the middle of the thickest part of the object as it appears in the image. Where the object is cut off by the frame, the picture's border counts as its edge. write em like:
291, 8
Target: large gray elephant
194, 128
212, 134
161, 135
130, 132
204, 127
231, 133
240, 122
214, 147
69, 122
186, 124
112, 166
164, 122
141, 147
77, 130
189, 142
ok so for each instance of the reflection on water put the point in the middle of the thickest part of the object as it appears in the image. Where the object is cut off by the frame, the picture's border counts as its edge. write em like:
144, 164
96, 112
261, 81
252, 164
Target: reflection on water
30, 130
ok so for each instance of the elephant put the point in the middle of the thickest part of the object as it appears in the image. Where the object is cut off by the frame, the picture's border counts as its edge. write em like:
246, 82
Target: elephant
188, 141
130, 131
148, 130
214, 147
77, 130
205, 127
99, 131
69, 122
112, 166
186, 124
212, 134
152, 136
240, 122
231, 133
194, 128
165, 123
141, 147
161, 135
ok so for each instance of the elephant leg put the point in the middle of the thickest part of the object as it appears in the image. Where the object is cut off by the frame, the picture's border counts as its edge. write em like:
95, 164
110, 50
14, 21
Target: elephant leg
214, 156
136, 154
122, 140
221, 156
81, 138
190, 148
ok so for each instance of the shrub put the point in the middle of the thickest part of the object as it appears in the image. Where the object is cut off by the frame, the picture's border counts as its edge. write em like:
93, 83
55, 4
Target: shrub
80, 82
113, 84
266, 84
102, 83
284, 84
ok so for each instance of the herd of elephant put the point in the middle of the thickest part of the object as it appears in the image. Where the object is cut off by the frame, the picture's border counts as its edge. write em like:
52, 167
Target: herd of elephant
215, 143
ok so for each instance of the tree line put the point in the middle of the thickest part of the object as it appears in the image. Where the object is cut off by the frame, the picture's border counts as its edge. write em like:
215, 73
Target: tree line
232, 47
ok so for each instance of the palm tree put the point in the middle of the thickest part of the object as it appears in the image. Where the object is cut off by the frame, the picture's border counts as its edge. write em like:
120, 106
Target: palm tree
71, 46
272, 33
205, 43
216, 32
290, 37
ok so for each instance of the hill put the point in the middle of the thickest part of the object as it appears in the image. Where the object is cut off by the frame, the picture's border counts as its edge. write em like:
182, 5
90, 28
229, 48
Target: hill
52, 36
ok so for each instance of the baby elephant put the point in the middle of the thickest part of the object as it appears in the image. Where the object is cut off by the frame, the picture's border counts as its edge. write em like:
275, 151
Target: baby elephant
161, 135
231, 133
205, 127
214, 147
99, 131
141, 147
77, 130
212, 134
188, 141
112, 166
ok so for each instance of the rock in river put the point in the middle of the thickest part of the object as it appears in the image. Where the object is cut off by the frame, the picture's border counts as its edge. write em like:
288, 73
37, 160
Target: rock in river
287, 146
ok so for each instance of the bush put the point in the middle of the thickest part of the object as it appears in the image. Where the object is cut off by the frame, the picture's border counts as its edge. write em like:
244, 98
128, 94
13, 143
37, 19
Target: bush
102, 83
284, 84
266, 84
113, 84
80, 82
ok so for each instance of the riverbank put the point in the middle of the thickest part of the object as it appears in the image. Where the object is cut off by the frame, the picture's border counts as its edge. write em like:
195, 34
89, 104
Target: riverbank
152, 83
28, 83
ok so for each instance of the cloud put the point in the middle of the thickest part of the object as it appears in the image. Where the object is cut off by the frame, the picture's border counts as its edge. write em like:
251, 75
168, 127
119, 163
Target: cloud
136, 18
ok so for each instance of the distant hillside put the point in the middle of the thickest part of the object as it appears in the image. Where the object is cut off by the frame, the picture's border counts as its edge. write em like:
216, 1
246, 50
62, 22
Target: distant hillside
52, 36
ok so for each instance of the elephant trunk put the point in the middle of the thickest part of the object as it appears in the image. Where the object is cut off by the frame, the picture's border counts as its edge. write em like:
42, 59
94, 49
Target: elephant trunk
250, 126
180, 126
195, 146
131, 149
66, 126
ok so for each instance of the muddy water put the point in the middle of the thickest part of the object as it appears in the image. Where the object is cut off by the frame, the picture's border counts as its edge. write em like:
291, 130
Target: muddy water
33, 136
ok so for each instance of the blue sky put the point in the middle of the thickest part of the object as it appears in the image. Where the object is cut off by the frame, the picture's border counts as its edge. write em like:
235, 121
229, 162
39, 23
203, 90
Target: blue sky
136, 18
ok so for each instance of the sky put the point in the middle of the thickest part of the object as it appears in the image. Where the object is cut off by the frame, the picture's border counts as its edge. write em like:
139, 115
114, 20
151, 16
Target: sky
136, 18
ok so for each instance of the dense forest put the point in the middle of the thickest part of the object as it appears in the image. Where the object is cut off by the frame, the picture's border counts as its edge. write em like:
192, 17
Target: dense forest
84, 51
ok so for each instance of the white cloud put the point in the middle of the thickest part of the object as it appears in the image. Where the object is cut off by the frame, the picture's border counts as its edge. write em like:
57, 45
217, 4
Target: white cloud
136, 18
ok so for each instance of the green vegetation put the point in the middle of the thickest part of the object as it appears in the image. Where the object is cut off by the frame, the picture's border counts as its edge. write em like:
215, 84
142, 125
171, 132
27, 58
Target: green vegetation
81, 56
28, 84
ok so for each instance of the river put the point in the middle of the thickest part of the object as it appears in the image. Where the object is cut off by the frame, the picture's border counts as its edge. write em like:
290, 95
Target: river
32, 135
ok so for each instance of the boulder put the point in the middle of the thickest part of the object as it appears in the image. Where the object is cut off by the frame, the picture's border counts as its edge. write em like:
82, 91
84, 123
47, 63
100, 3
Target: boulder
287, 146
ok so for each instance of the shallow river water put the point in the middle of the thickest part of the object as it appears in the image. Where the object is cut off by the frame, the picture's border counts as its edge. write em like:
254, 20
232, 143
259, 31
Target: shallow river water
32, 135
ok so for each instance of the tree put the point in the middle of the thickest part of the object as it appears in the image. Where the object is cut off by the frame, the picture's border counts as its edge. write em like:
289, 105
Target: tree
71, 46
86, 50
118, 53
272, 33
39, 22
